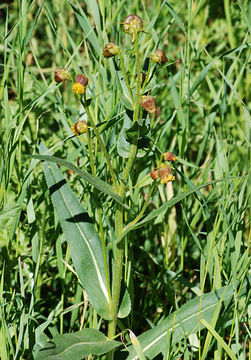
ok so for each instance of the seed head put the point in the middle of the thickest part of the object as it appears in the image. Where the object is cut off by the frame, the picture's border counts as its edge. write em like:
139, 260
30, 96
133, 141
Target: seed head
147, 102
159, 57
61, 75
132, 24
110, 50
165, 173
80, 127
168, 156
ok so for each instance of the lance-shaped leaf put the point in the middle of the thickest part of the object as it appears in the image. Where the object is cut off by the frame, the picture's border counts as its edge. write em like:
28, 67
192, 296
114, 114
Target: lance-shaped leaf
76, 346
94, 180
85, 243
186, 320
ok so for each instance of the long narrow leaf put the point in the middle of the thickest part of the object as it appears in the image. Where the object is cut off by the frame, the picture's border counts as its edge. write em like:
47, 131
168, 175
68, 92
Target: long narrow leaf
95, 181
186, 319
85, 243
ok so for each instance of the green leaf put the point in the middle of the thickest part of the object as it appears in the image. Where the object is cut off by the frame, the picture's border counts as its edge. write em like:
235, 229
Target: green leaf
76, 346
95, 181
153, 214
136, 130
125, 307
85, 243
184, 322
200, 78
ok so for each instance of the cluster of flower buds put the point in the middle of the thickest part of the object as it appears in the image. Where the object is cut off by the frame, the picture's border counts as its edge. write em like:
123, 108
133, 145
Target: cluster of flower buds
80, 127
79, 86
61, 75
110, 50
159, 57
164, 171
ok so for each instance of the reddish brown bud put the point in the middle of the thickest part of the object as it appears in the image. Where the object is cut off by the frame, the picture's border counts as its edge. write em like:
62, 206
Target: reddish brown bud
147, 102
61, 75
81, 79
80, 127
159, 57
110, 50
168, 156
165, 173
132, 24
80, 82
154, 175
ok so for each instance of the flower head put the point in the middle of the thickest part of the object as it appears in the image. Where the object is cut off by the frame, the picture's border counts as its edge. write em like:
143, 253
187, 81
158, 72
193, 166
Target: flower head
80, 127
154, 174
168, 156
110, 50
147, 102
132, 24
80, 82
159, 57
61, 74
165, 173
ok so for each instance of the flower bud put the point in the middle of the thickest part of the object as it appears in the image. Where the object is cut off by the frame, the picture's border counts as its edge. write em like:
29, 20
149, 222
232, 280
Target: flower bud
61, 75
165, 174
168, 156
147, 102
80, 82
154, 174
159, 57
110, 50
132, 24
80, 127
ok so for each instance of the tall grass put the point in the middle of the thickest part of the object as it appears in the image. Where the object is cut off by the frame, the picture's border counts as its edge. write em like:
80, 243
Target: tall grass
186, 264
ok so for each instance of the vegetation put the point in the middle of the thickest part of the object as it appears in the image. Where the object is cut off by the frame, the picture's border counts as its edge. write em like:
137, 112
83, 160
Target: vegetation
125, 180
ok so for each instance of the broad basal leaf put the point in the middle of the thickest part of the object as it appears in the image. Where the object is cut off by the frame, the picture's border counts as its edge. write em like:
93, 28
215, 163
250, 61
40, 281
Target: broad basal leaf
76, 346
184, 322
85, 243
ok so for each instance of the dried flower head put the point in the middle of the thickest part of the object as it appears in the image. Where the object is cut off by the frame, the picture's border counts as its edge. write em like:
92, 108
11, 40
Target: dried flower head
168, 156
165, 173
110, 50
80, 82
61, 75
154, 175
80, 127
147, 102
159, 57
132, 24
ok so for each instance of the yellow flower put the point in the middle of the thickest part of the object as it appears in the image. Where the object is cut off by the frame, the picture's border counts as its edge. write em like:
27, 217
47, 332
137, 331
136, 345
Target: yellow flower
165, 174
78, 88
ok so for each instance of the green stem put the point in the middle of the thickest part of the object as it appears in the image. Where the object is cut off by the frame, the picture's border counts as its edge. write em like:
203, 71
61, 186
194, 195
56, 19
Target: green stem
126, 77
101, 144
119, 251
147, 77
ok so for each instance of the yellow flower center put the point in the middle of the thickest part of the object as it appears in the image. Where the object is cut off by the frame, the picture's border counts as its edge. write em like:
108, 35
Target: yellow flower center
78, 88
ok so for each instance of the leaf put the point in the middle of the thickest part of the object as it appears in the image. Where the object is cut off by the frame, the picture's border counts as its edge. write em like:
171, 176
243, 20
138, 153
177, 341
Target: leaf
185, 321
153, 214
76, 346
125, 307
85, 243
200, 78
94, 180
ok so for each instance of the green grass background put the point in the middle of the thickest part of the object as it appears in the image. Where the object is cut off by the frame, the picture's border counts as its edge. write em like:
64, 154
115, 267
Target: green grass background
203, 101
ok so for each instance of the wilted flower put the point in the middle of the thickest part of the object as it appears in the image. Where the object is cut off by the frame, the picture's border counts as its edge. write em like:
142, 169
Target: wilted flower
110, 50
80, 127
61, 75
132, 24
165, 173
154, 175
147, 102
159, 57
168, 156
80, 82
